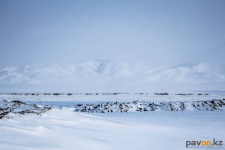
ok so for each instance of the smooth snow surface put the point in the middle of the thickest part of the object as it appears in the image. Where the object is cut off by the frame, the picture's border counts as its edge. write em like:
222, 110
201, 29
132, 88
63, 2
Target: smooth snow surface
63, 129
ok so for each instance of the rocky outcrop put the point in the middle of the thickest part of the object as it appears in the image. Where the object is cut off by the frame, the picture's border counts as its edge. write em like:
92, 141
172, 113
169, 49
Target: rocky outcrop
19, 107
137, 106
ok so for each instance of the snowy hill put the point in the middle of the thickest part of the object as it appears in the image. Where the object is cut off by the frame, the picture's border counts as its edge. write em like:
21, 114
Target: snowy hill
105, 75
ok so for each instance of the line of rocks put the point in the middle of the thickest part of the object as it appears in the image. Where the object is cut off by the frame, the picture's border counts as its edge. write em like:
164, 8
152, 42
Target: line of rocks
136, 106
19, 107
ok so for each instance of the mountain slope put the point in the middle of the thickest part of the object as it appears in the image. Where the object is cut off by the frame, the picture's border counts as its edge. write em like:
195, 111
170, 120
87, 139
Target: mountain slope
104, 74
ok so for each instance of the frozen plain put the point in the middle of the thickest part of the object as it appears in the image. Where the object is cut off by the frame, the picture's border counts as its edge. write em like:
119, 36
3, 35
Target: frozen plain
66, 129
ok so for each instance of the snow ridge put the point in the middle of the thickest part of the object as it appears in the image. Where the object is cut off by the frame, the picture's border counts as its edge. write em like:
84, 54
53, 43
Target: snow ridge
111, 74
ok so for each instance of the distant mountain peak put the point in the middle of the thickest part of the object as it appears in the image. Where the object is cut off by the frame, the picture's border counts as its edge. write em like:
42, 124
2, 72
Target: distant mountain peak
187, 65
102, 60
112, 73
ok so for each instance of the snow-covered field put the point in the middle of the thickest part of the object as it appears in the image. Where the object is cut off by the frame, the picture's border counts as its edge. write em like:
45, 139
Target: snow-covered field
63, 128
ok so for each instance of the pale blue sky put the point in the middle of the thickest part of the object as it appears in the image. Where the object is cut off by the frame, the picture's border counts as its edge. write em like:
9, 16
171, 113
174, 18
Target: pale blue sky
157, 32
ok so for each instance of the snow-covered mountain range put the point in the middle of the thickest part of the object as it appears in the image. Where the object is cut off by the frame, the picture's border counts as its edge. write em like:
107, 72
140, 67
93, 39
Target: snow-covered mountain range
105, 75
